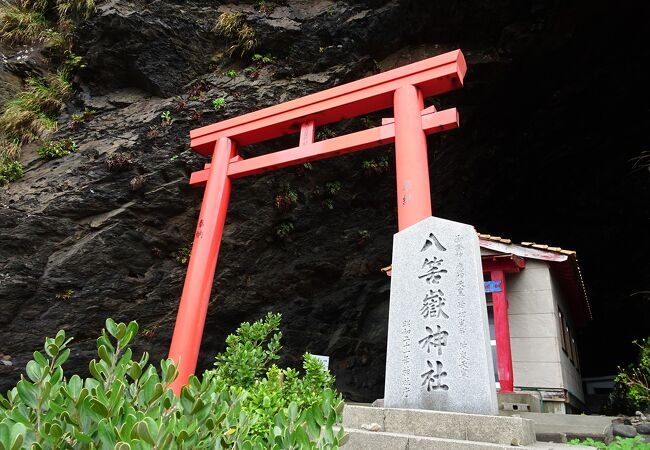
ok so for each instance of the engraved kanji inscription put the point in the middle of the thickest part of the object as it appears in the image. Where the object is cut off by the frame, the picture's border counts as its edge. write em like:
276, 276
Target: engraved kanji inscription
436, 339
433, 240
432, 305
433, 378
432, 270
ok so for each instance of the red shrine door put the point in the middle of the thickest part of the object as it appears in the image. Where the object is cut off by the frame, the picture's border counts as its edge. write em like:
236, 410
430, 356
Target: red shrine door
403, 89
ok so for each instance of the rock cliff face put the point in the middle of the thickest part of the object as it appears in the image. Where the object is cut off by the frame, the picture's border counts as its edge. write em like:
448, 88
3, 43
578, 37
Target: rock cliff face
554, 108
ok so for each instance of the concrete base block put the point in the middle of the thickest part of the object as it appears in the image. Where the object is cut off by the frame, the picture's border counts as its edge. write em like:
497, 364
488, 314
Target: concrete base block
368, 440
511, 401
444, 425
565, 423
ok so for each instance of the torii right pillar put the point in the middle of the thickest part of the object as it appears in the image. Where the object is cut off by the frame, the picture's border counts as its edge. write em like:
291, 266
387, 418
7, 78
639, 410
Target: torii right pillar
497, 267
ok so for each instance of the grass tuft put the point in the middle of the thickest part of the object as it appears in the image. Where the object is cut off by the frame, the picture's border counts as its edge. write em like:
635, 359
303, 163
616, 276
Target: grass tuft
20, 26
233, 26
33, 111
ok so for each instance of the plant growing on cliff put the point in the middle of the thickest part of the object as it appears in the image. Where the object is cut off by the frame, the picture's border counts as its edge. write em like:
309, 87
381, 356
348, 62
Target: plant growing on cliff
10, 168
262, 59
21, 26
166, 118
233, 26
126, 403
26, 21
77, 120
286, 199
636, 378
118, 162
218, 103
10, 171
57, 149
35, 108
284, 230
183, 255
376, 166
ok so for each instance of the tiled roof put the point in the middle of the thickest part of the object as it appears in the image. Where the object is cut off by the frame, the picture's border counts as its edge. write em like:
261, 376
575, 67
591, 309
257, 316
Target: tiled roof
549, 248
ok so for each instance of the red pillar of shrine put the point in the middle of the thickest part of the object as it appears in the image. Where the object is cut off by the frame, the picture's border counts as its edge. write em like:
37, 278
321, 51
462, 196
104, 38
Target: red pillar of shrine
502, 332
411, 161
193, 307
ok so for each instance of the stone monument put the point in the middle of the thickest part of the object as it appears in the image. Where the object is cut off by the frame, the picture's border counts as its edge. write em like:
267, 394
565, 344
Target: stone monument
438, 355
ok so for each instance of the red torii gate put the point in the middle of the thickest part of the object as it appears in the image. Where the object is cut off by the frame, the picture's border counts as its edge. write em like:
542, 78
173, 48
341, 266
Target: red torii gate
403, 88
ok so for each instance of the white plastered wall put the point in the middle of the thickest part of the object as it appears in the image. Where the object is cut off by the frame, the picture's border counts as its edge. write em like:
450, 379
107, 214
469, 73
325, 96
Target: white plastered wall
570, 375
536, 358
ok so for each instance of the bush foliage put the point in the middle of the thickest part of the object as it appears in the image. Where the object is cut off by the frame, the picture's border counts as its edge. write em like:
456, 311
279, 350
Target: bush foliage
619, 443
126, 403
636, 378
10, 171
57, 149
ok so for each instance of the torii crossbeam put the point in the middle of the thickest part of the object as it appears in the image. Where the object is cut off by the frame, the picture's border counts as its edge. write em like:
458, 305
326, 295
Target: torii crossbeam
403, 88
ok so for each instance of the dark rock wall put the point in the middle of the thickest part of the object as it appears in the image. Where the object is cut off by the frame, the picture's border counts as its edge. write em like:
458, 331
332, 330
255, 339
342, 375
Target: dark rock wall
554, 108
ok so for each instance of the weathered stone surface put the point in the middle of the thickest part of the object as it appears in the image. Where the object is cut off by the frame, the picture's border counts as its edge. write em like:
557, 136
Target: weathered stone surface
438, 354
643, 428
627, 431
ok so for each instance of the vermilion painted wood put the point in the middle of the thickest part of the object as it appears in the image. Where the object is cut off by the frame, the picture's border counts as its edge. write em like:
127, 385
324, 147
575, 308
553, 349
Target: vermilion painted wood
411, 159
361, 140
504, 263
425, 111
431, 76
502, 332
307, 133
193, 307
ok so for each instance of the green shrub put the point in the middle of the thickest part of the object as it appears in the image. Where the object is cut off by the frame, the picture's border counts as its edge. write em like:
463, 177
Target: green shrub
10, 171
619, 443
636, 378
57, 149
248, 363
127, 403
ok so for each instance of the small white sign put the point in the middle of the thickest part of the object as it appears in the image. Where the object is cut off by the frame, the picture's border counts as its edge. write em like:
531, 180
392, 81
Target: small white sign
324, 359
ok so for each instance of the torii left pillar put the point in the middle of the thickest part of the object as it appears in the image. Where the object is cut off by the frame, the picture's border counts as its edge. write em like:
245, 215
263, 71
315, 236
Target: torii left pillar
190, 320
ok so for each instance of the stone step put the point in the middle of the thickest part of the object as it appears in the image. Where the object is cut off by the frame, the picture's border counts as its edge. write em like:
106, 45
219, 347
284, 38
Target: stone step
378, 440
440, 425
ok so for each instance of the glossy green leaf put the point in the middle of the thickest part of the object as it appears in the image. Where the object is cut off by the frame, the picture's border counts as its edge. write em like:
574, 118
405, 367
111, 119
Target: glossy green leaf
142, 431
27, 393
62, 358
111, 327
40, 359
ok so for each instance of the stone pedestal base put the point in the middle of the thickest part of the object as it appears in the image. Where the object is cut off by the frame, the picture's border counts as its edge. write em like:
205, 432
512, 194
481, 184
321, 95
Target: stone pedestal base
401, 429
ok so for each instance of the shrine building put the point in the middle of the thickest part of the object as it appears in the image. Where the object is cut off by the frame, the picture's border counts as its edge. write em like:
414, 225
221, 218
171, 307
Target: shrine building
536, 302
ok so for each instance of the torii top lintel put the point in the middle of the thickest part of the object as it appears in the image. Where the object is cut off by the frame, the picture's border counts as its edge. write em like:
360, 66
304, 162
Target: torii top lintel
431, 76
